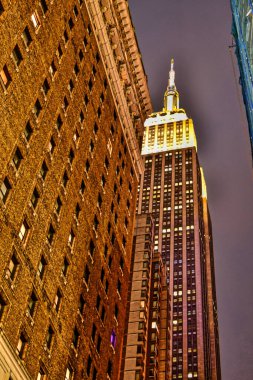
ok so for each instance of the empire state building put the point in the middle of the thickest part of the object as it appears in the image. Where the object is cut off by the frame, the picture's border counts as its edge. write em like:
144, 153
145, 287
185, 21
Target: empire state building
173, 190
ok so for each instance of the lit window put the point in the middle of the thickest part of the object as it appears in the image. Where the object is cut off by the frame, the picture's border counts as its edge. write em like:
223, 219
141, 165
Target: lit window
5, 189
113, 339
71, 238
22, 342
5, 77
35, 20
69, 373
23, 232
41, 375
52, 69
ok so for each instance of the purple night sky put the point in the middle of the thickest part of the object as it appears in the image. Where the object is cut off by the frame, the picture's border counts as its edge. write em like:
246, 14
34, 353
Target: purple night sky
197, 34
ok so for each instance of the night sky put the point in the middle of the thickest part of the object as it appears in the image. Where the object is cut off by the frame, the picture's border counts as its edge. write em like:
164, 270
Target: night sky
197, 34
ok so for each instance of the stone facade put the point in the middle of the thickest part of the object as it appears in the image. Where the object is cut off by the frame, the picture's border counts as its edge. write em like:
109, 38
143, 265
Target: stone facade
70, 165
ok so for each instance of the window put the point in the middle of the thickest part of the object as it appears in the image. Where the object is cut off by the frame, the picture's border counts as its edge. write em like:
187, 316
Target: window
99, 341
75, 337
59, 122
90, 84
71, 238
51, 145
71, 23
65, 179
89, 30
93, 332
81, 304
95, 223
13, 266
87, 166
97, 57
94, 376
32, 303
95, 129
45, 87
109, 368
89, 362
119, 286
22, 342
77, 211
110, 262
5, 77
1, 8
37, 108
76, 69
49, 338
65, 267
102, 275
91, 247
82, 187
17, 56
52, 69
103, 181
50, 234
5, 189
35, 20
106, 286
17, 158
99, 204
75, 10
23, 232
71, 86
76, 136
26, 36
44, 6
81, 117
43, 170
81, 56
86, 274
106, 250
69, 373
91, 148
65, 37
2, 306
41, 374
71, 156
41, 267
57, 300
103, 314
65, 104
35, 198
28, 131
59, 52
113, 339
99, 113
98, 302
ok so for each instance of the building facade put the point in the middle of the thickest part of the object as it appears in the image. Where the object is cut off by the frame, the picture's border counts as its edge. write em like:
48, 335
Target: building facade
242, 31
73, 101
173, 190
146, 349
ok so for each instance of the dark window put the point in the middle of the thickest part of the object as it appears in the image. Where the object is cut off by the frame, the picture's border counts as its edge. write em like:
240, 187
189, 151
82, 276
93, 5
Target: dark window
81, 56
65, 103
87, 165
86, 274
106, 250
103, 181
98, 302
42, 267
106, 163
99, 112
103, 314
94, 71
71, 23
95, 129
89, 362
1, 8
93, 332
58, 205
35, 198
52, 145
52, 69
5, 189
99, 344
115, 115
89, 30
119, 286
17, 158
13, 266
94, 376
110, 262
97, 57
81, 304
45, 87
75, 10
76, 69
44, 6
85, 42
50, 234
90, 84
59, 52
96, 222
91, 146
109, 368
75, 337
26, 36
17, 56
37, 108
32, 303
71, 85
102, 275
106, 286
71, 156
28, 131
91, 247
77, 211
65, 179
65, 36
124, 241
99, 201
59, 122
49, 337
82, 187
2, 306
65, 267
105, 84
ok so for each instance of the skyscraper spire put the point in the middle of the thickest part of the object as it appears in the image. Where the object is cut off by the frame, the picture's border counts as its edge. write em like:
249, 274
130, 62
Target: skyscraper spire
171, 98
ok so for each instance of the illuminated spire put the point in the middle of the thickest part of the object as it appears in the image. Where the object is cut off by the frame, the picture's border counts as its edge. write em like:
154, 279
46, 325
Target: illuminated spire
171, 98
